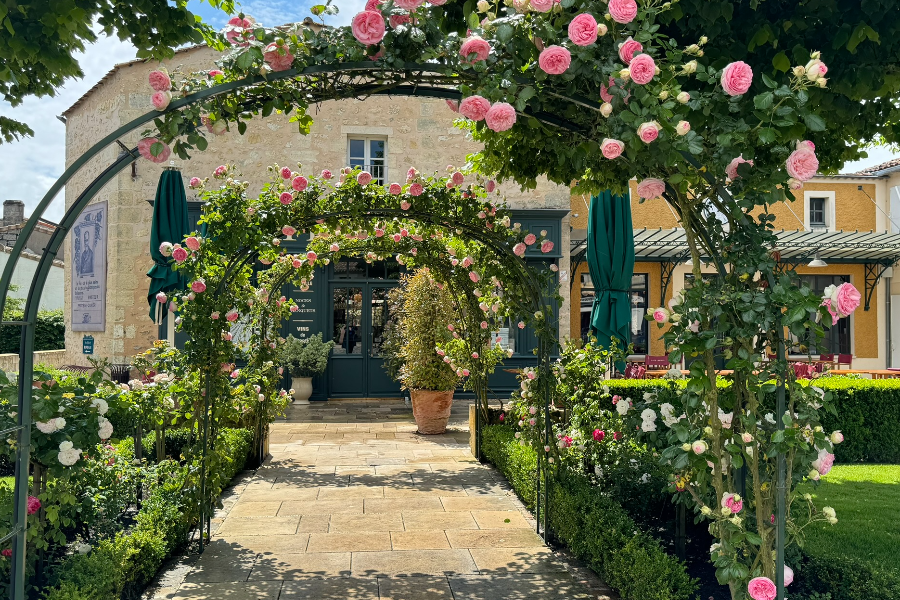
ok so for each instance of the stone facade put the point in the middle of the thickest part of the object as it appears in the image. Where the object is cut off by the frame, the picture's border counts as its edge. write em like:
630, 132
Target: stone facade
419, 132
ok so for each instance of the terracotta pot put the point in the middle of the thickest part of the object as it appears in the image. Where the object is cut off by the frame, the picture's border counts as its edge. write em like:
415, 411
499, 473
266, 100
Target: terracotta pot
431, 410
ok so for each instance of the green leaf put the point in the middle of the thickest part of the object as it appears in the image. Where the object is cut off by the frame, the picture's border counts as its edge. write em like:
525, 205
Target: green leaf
156, 148
782, 63
764, 101
767, 135
814, 122
202, 143
504, 32
242, 127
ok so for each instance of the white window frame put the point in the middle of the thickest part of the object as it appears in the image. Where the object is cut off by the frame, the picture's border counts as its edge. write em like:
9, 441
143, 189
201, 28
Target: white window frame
367, 159
829, 209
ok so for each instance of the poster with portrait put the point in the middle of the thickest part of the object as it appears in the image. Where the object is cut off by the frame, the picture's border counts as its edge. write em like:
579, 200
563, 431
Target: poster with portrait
89, 269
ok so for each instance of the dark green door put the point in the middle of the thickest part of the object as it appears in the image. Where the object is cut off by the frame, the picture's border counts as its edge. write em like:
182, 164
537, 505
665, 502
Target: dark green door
359, 315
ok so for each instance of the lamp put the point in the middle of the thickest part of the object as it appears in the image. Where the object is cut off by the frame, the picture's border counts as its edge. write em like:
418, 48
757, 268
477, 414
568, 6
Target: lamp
817, 262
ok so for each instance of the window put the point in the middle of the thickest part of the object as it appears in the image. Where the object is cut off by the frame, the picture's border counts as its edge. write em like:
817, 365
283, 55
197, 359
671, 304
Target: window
638, 294
837, 338
370, 154
817, 212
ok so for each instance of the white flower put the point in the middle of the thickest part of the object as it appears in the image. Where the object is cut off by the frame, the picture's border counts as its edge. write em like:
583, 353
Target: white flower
645, 478
69, 457
101, 405
829, 512
650, 397
66, 446
648, 426
622, 407
83, 548
726, 418
648, 414
60, 423
47, 427
770, 418
106, 429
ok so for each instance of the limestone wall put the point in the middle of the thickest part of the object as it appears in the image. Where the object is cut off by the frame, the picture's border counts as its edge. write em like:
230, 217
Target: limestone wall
52, 358
419, 132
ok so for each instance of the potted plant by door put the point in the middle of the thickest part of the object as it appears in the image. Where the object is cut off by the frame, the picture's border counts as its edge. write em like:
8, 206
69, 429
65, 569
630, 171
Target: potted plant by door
305, 359
426, 313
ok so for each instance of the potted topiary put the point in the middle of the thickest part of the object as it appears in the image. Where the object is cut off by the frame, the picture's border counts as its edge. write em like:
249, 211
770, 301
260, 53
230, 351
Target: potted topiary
424, 321
305, 359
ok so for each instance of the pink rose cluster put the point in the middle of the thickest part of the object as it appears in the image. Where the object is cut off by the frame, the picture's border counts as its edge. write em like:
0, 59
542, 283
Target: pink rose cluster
239, 31
159, 80
500, 116
650, 188
474, 49
368, 27
802, 164
732, 169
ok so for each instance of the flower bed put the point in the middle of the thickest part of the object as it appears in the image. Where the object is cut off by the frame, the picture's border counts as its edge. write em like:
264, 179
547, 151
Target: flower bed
867, 413
594, 527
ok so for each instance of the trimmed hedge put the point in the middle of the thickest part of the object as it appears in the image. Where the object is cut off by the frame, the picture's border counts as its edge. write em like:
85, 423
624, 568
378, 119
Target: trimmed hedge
122, 567
594, 527
868, 414
845, 578
49, 332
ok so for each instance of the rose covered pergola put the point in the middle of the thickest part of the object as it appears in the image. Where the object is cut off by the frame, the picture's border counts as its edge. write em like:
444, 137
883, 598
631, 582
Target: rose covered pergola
585, 92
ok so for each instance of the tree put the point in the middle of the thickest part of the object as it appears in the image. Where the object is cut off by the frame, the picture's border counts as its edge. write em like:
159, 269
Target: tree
40, 40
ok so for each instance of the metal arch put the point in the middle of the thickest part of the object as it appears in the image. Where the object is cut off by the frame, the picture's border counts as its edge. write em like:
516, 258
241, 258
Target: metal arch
26, 348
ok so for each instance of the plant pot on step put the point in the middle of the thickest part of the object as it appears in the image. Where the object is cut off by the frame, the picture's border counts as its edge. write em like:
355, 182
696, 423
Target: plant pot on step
431, 410
303, 389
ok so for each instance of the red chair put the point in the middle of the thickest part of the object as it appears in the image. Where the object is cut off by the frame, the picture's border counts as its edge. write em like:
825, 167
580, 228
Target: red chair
658, 362
826, 359
845, 359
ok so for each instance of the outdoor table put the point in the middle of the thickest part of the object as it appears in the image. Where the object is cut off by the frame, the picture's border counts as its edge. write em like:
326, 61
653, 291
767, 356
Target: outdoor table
874, 373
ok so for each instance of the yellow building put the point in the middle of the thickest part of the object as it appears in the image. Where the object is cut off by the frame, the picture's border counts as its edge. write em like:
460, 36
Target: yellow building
844, 221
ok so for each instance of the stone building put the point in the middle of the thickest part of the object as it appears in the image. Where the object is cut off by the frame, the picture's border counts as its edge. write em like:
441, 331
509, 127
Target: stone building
10, 228
387, 134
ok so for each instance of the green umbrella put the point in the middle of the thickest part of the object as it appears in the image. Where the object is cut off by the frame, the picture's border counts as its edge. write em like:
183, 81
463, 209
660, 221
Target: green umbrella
170, 224
610, 257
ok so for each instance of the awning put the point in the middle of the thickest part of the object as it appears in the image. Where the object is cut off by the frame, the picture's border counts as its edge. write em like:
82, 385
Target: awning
878, 251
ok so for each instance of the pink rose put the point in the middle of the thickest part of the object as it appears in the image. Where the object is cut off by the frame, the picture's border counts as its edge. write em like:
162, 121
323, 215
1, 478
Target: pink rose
405, 205
33, 505
490, 186
144, 149
220, 171
160, 81
824, 462
215, 72
311, 257
6, 552
368, 27
215, 317
160, 100
373, 4
474, 45
296, 263
193, 243
364, 178
682, 128
458, 178
278, 57
484, 325
762, 588
519, 249
546, 246
628, 49
521, 325
409, 4
395, 189
198, 286
648, 131
500, 117
802, 164
179, 254
286, 198
542, 5
729, 502
661, 315
474, 277
806, 144
642, 69
530, 239
299, 183
239, 31
788, 575
288, 230
398, 20
599, 435
583, 30
195, 182
623, 11
474, 107
416, 189
611, 148
232, 315
731, 170
453, 105
467, 262
326, 174
736, 78
554, 60
334, 247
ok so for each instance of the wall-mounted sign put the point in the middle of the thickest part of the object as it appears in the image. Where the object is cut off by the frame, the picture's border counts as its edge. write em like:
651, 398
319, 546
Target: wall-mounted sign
89, 269
304, 322
87, 344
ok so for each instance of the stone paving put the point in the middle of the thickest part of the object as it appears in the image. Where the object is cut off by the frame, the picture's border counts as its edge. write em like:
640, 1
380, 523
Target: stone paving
354, 504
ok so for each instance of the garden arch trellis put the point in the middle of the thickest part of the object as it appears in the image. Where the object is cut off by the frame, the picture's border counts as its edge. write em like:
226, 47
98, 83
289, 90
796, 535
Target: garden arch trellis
351, 82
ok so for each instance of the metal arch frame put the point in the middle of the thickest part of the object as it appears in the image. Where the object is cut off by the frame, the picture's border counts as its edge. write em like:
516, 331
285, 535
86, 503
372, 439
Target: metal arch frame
27, 324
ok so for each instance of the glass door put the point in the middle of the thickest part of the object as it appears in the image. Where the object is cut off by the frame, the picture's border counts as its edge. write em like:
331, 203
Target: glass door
347, 372
378, 384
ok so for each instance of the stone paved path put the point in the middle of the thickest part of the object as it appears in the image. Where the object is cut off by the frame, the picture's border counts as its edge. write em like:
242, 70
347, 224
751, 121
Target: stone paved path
355, 505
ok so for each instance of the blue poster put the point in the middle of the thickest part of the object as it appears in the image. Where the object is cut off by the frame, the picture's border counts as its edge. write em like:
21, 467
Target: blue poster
89, 269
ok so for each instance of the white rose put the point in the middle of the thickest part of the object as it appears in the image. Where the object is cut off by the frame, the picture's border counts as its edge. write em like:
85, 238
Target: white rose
648, 426
829, 512
66, 446
106, 429
101, 405
83, 548
68, 458
59, 422
47, 427
648, 414
622, 407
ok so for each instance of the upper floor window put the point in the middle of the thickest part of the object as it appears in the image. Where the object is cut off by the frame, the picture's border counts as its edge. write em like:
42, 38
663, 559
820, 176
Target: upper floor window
817, 212
369, 154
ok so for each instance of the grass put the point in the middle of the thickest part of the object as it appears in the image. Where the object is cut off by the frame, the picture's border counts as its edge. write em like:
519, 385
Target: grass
865, 498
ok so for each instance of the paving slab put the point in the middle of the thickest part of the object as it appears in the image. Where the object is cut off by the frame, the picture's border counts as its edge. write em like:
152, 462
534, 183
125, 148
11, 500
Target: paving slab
257, 590
493, 538
419, 540
414, 588
366, 522
411, 563
343, 588
432, 520
367, 541
258, 526
298, 566
517, 560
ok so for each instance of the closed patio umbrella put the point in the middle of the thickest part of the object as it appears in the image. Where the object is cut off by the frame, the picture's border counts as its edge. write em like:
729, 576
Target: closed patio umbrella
170, 224
610, 257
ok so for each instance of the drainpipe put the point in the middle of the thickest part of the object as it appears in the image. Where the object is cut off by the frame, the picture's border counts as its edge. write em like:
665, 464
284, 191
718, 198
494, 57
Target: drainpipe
887, 321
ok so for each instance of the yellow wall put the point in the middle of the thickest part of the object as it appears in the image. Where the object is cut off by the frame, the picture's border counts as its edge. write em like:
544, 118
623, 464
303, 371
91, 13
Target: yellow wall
650, 213
853, 209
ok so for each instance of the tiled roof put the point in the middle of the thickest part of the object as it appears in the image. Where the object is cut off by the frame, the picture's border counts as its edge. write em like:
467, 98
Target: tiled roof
891, 165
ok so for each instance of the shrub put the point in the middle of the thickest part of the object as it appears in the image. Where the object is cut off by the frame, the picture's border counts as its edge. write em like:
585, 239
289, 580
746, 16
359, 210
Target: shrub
594, 527
49, 332
305, 358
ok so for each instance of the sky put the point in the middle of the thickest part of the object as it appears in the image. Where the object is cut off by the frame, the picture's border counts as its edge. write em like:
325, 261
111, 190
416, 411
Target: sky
30, 166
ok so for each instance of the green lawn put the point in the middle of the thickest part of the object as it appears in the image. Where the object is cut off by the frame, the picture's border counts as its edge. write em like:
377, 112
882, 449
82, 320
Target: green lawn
865, 498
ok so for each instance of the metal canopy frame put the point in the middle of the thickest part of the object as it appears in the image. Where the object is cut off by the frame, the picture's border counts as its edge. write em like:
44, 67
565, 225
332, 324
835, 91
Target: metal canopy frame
356, 80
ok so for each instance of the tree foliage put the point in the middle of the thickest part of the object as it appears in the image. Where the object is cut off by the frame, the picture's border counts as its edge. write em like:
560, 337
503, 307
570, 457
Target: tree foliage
39, 41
